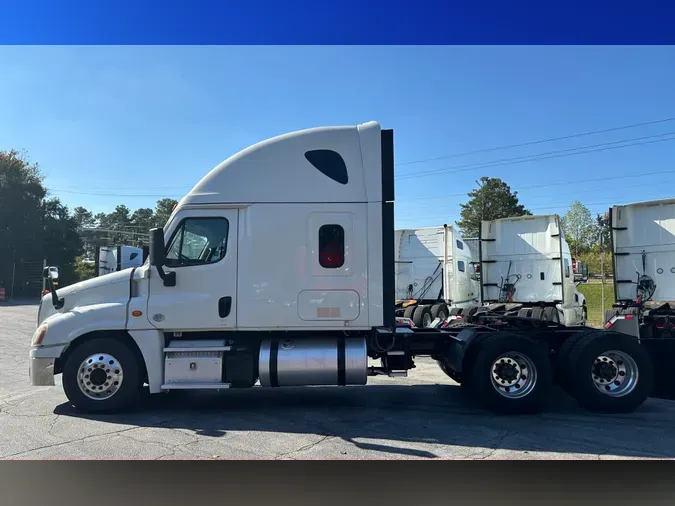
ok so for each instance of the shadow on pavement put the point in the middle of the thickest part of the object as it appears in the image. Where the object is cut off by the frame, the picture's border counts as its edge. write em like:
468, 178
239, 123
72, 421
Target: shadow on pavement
399, 417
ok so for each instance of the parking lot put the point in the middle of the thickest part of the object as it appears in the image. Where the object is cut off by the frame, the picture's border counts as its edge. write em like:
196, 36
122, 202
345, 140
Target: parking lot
422, 416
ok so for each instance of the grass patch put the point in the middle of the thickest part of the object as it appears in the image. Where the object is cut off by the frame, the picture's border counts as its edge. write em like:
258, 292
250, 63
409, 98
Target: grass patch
593, 294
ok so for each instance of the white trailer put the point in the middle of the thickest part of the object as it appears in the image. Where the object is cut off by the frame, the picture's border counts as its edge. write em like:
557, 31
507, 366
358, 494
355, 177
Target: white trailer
291, 283
526, 264
116, 258
434, 273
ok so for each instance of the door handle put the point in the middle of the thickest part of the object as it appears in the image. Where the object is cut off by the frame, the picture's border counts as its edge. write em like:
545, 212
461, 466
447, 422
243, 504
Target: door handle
224, 306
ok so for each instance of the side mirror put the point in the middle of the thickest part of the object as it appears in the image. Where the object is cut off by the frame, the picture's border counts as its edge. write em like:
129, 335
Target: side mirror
51, 274
157, 252
158, 256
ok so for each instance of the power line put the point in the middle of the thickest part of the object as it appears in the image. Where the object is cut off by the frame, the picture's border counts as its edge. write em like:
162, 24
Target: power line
531, 143
561, 183
543, 156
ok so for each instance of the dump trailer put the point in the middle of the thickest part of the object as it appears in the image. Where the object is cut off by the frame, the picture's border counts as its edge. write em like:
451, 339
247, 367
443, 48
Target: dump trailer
109, 259
209, 310
643, 257
434, 274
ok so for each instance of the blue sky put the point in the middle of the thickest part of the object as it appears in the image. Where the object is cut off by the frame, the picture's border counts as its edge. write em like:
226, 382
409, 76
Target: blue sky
130, 125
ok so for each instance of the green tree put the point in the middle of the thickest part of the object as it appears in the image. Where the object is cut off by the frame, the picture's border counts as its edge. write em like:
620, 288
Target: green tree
21, 197
580, 231
163, 210
61, 239
491, 200
603, 230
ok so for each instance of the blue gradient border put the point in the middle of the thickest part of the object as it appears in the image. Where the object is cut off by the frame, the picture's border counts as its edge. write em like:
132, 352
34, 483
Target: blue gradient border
336, 22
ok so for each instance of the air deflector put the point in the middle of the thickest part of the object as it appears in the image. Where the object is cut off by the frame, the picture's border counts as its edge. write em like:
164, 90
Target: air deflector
329, 163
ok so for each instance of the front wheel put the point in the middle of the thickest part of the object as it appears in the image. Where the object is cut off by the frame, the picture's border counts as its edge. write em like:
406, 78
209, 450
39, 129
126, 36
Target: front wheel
511, 374
102, 375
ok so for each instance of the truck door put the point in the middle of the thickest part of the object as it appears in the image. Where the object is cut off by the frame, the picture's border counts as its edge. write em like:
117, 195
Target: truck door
202, 251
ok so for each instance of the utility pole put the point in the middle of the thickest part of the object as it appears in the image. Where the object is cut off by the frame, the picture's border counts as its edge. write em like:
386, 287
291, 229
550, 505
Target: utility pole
602, 275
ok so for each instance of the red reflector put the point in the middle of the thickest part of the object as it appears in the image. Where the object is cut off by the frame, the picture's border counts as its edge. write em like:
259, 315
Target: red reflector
459, 317
660, 326
608, 325
629, 317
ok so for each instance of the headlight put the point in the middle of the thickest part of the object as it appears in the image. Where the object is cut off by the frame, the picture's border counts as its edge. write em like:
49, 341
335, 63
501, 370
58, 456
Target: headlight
39, 335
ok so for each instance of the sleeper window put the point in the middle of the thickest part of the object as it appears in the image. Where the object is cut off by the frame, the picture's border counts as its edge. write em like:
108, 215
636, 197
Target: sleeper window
460, 245
567, 268
331, 246
198, 241
460, 266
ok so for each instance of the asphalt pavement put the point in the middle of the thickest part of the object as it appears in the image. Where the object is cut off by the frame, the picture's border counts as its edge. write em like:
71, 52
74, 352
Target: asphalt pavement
424, 416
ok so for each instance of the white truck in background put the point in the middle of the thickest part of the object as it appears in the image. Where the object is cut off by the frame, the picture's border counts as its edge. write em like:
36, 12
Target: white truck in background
210, 310
526, 271
643, 257
109, 259
434, 274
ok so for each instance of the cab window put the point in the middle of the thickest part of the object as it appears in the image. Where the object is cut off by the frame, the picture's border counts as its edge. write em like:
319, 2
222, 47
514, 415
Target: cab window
198, 241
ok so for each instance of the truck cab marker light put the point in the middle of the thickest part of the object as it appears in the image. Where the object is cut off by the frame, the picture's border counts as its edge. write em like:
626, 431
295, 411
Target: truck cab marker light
137, 313
40, 336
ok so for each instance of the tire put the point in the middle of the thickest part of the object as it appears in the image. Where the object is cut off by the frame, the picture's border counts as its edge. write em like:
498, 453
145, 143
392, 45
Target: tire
537, 313
409, 312
446, 371
551, 314
524, 312
439, 311
455, 311
421, 315
130, 377
534, 395
627, 395
561, 364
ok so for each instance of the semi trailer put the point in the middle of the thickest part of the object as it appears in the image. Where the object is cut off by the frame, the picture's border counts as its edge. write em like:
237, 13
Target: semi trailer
211, 310
434, 274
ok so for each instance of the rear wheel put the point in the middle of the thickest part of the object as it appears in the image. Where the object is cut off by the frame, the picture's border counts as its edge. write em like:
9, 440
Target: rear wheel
422, 317
102, 375
511, 374
562, 357
551, 314
524, 312
439, 311
609, 372
537, 313
409, 312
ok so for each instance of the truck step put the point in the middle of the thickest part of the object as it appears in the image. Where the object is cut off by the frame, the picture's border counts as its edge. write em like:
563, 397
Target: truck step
195, 386
195, 348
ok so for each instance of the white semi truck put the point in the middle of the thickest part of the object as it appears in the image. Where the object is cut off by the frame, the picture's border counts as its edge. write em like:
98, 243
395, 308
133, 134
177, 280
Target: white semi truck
526, 268
643, 257
434, 274
290, 283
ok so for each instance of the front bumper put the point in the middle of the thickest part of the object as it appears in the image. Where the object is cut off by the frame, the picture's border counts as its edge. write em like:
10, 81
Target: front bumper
41, 372
41, 365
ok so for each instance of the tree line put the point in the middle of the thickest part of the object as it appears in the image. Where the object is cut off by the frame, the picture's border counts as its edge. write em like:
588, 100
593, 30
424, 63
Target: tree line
35, 226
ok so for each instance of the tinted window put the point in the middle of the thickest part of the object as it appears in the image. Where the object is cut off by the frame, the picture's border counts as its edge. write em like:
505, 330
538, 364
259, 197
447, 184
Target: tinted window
331, 246
198, 241
460, 245
460, 266
133, 255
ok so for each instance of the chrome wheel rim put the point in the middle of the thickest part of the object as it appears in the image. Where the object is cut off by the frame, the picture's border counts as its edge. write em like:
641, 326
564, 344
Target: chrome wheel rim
513, 375
615, 373
100, 376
